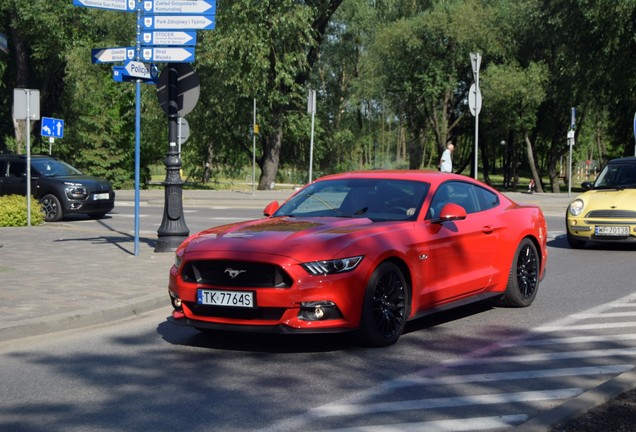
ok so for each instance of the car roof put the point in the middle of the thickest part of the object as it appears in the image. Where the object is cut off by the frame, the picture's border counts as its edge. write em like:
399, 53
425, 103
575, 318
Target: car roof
21, 156
429, 176
629, 159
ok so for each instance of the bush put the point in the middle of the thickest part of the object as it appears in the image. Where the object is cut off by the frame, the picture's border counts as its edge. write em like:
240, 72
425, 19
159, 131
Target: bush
13, 211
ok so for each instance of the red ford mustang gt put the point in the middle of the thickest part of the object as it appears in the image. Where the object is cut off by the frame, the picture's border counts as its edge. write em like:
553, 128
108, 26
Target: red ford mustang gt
363, 252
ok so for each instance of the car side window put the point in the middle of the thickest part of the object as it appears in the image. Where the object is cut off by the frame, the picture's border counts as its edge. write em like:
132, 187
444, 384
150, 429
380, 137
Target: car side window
486, 199
471, 197
3, 168
17, 168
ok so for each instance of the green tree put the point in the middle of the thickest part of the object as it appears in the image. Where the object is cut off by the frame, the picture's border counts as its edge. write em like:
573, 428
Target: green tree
265, 51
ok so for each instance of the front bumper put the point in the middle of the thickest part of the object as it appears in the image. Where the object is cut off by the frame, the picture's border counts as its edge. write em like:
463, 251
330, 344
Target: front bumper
89, 205
311, 304
585, 229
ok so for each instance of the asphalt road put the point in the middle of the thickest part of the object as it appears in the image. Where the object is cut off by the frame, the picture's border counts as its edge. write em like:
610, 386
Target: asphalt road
476, 368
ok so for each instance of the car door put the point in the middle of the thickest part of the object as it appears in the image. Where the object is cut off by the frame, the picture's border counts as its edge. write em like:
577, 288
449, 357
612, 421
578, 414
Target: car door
458, 255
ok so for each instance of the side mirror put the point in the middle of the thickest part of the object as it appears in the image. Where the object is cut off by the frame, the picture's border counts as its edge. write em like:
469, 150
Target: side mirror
451, 212
587, 185
271, 208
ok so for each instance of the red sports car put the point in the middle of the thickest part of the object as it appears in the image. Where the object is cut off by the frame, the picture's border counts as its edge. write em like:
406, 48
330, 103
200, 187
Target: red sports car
364, 252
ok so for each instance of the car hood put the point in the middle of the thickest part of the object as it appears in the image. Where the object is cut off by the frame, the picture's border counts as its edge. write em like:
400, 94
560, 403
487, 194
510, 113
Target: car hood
605, 199
283, 236
92, 183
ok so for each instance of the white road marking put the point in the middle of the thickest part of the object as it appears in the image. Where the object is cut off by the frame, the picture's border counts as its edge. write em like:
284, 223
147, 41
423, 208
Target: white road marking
332, 410
509, 376
459, 425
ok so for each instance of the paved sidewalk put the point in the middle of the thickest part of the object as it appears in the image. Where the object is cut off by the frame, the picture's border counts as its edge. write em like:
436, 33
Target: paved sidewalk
61, 276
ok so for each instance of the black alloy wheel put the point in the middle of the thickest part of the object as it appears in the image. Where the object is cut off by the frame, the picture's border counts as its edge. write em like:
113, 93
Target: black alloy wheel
384, 312
523, 280
52, 208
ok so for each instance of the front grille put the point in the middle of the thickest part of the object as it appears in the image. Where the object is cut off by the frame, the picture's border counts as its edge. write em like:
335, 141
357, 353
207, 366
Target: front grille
612, 214
267, 314
236, 274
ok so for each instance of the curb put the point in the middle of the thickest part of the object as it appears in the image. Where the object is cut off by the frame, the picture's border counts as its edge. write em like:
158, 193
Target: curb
89, 317
581, 404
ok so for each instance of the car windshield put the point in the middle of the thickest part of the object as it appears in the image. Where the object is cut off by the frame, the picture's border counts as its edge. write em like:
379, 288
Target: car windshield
375, 199
53, 168
617, 176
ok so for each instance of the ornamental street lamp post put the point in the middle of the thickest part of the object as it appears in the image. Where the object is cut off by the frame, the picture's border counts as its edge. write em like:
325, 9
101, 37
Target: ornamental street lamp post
173, 229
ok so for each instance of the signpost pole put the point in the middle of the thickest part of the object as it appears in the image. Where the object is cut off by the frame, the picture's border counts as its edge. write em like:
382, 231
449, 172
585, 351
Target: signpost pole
137, 143
571, 144
311, 106
28, 149
173, 229
254, 148
137, 160
475, 59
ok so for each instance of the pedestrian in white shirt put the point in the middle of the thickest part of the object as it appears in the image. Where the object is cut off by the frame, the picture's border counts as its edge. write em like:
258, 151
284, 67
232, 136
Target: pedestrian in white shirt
446, 162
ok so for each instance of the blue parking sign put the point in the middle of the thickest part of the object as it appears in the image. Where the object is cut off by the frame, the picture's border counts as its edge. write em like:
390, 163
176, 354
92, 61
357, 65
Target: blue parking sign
52, 127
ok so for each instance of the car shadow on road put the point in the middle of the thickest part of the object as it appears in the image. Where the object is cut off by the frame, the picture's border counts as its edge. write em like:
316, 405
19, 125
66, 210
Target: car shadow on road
300, 343
561, 242
253, 342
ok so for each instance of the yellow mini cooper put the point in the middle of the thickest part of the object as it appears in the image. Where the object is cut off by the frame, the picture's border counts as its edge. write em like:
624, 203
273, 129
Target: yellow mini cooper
606, 211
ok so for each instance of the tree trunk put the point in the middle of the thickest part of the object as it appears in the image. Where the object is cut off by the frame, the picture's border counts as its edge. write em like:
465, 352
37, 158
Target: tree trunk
415, 150
207, 168
272, 144
532, 164
22, 77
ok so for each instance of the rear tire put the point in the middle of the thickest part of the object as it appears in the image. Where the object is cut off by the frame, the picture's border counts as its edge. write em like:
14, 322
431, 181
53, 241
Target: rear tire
52, 208
523, 280
384, 309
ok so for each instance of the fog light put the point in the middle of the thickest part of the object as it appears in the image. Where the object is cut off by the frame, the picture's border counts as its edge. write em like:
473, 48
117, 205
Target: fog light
318, 311
176, 302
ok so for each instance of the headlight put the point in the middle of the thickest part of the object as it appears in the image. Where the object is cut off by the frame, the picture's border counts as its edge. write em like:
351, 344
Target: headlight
340, 265
576, 207
76, 192
177, 260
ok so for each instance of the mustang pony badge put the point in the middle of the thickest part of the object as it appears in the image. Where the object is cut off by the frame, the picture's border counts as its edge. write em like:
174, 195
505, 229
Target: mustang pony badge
233, 273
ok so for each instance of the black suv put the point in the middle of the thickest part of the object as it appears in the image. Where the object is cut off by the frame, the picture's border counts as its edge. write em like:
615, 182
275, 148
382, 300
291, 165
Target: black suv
61, 189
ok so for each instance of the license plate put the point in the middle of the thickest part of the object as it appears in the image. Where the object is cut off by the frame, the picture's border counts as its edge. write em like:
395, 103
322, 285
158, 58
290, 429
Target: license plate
101, 196
226, 298
619, 231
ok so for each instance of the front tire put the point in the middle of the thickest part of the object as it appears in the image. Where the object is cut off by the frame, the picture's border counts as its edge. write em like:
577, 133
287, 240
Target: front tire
384, 309
523, 279
52, 208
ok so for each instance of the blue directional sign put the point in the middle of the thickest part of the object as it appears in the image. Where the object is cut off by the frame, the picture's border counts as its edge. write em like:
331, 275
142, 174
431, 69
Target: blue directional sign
207, 7
120, 74
168, 54
177, 22
112, 55
120, 5
52, 127
173, 38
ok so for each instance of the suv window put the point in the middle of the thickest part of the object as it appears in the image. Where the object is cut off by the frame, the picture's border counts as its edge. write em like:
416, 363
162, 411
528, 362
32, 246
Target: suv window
53, 167
17, 168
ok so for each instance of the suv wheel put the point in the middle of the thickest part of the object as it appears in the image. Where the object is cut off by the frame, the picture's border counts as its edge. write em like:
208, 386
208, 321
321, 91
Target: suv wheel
52, 208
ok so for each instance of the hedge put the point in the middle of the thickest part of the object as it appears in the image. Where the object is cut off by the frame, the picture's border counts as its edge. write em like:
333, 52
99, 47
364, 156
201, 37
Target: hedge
13, 211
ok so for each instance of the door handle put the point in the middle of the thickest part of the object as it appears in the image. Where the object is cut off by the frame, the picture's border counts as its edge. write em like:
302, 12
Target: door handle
488, 229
